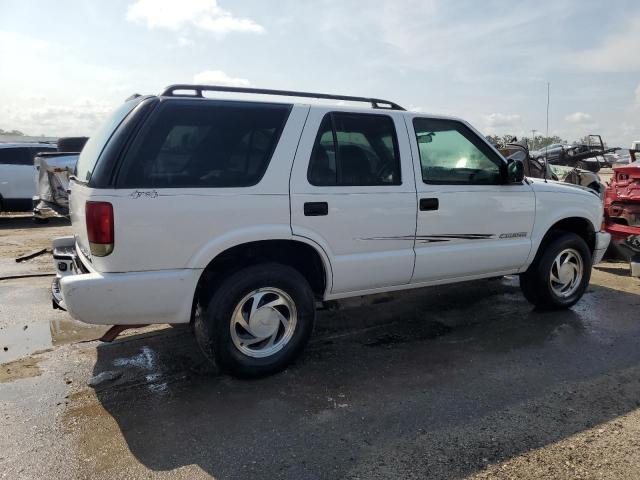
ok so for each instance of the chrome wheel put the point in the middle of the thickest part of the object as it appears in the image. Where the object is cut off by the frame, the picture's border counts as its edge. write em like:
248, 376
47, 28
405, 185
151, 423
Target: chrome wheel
566, 274
263, 322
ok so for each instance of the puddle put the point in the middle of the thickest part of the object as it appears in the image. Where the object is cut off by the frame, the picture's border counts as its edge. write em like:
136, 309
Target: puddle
18, 341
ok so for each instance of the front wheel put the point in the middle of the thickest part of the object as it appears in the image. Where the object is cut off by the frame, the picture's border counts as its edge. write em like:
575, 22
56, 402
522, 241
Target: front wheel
257, 321
560, 273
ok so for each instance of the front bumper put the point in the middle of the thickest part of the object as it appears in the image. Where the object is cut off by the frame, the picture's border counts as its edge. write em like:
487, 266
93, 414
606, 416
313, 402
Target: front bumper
159, 296
602, 243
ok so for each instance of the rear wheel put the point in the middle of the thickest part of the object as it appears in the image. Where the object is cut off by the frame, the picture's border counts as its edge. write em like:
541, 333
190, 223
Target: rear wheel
559, 275
257, 321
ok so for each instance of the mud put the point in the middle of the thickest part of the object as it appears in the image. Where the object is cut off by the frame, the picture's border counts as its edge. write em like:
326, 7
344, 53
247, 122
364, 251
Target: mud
23, 368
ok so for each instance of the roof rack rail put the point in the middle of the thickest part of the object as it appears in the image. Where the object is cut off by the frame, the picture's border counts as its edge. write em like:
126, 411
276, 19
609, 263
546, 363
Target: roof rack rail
198, 89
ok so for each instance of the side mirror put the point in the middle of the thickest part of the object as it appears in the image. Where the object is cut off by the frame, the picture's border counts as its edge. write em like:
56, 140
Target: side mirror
515, 171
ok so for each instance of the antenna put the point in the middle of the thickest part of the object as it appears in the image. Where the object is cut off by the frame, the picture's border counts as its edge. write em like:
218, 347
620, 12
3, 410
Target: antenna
546, 148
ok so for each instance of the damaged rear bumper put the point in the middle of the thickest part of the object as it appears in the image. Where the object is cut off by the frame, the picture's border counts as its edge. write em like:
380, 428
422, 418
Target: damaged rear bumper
627, 243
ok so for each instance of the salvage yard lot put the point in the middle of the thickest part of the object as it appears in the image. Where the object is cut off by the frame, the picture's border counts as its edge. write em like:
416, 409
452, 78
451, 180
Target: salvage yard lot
449, 382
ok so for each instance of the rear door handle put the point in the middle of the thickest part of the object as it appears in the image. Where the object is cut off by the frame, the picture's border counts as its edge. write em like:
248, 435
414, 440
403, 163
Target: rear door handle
316, 209
429, 204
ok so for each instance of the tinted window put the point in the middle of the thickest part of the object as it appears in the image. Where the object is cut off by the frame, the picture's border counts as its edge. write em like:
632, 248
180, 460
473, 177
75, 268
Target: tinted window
94, 146
15, 156
36, 150
450, 153
205, 144
355, 149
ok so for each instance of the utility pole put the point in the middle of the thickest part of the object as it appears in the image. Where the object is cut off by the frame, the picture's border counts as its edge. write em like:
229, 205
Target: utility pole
533, 139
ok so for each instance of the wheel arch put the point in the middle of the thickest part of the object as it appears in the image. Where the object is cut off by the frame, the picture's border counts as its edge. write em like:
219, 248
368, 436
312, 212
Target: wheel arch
299, 253
581, 226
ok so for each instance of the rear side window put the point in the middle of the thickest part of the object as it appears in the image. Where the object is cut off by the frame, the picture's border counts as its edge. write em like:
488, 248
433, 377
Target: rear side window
355, 149
96, 143
205, 144
15, 156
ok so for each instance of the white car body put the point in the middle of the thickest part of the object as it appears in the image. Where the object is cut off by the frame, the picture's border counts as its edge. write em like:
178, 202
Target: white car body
372, 240
18, 174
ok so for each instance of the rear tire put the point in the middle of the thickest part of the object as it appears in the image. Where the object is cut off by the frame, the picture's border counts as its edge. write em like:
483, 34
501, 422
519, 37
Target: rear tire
559, 274
257, 321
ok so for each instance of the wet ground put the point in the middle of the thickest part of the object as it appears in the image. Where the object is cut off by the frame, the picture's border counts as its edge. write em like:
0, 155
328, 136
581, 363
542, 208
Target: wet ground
449, 382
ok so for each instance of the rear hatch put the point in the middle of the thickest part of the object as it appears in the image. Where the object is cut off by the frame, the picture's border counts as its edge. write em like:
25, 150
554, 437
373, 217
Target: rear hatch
81, 186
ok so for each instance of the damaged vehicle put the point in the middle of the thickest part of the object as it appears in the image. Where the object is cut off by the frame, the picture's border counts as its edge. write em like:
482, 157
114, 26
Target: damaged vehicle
622, 213
241, 216
53, 170
591, 156
537, 167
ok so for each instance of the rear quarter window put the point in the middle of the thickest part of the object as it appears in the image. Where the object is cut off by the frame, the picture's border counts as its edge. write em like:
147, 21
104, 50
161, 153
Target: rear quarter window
15, 156
97, 141
204, 144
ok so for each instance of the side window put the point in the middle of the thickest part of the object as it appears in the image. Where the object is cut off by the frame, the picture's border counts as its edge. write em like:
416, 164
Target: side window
205, 145
450, 153
15, 156
355, 149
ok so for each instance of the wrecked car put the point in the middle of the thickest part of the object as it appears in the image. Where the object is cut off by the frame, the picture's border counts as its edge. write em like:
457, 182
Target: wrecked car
585, 156
622, 213
537, 167
53, 170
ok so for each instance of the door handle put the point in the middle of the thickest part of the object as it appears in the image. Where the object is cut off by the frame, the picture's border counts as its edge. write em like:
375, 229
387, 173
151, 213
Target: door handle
316, 209
429, 204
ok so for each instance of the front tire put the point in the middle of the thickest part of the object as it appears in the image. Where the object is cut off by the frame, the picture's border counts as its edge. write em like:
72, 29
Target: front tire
560, 273
257, 321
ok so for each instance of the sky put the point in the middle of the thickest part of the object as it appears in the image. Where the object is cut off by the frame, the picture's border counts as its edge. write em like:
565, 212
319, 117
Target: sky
64, 64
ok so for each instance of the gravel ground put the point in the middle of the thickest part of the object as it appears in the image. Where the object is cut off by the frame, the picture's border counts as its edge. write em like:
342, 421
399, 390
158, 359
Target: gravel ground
463, 381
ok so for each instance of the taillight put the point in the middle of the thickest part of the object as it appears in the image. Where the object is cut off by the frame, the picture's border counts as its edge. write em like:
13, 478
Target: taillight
99, 218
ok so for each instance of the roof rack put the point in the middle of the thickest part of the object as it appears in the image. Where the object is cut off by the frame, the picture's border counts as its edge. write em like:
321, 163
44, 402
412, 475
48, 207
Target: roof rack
198, 89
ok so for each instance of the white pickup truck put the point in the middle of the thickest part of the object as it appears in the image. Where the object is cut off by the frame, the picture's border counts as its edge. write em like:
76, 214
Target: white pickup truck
241, 215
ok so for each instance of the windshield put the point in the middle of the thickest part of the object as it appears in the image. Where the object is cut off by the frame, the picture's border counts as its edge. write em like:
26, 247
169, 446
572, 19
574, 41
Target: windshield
96, 143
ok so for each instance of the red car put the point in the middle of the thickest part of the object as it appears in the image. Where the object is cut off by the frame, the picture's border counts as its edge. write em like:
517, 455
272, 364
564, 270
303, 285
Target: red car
622, 213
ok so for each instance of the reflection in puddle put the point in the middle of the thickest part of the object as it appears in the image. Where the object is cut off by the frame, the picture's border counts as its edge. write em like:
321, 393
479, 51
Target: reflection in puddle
17, 341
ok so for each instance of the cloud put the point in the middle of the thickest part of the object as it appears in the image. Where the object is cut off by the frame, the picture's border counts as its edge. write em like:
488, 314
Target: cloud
200, 14
637, 93
501, 120
80, 117
617, 53
184, 42
218, 77
578, 118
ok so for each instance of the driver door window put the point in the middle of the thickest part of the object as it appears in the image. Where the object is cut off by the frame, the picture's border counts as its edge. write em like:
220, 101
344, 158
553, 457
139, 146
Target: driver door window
451, 154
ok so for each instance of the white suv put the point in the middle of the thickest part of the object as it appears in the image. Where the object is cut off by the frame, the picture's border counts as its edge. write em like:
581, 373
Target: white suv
241, 215
18, 174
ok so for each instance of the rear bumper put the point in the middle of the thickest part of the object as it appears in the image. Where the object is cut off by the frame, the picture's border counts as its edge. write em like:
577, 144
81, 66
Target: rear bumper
602, 243
160, 296
627, 242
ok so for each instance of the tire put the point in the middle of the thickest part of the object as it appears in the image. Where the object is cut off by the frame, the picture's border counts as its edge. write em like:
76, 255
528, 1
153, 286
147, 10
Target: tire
537, 284
222, 336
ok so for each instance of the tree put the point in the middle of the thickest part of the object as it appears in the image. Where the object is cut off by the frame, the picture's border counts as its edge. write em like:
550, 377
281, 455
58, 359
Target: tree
501, 140
593, 141
541, 141
12, 132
